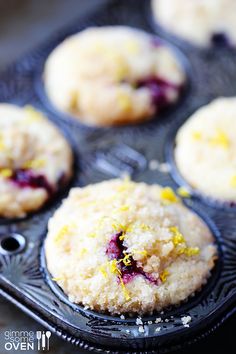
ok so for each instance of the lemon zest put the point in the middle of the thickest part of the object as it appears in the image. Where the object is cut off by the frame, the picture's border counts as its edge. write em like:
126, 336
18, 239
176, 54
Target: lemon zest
34, 164
126, 260
121, 227
192, 251
164, 275
124, 101
168, 195
117, 226
83, 251
32, 114
74, 100
122, 237
143, 253
197, 135
145, 227
125, 185
124, 289
132, 47
177, 238
183, 192
113, 267
115, 270
92, 235
220, 139
233, 181
2, 145
65, 230
124, 208
121, 72
6, 172
129, 228
57, 278
189, 251
103, 271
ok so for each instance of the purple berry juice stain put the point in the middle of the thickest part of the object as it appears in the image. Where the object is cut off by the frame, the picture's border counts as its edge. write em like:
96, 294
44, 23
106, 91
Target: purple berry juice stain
117, 250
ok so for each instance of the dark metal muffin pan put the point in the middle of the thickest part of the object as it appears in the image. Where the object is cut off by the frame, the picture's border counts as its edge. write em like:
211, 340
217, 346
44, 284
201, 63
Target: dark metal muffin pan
103, 153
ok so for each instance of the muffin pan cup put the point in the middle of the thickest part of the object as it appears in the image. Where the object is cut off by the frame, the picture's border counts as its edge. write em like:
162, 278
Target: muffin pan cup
103, 153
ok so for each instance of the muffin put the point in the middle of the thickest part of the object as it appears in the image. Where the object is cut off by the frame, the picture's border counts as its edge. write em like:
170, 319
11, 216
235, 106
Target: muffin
205, 150
125, 247
112, 75
35, 160
202, 22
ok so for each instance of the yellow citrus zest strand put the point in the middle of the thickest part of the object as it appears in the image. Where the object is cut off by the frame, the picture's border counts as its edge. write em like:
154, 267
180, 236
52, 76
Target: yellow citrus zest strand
220, 139
115, 270
233, 182
197, 135
6, 172
57, 278
124, 289
92, 235
164, 275
124, 101
103, 271
179, 240
168, 195
31, 114
2, 145
64, 231
34, 164
183, 192
124, 208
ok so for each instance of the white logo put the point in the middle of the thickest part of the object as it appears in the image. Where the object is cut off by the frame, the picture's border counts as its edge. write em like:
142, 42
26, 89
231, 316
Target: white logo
27, 340
43, 339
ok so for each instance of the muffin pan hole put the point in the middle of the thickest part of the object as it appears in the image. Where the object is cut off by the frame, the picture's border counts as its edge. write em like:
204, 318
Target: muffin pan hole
12, 244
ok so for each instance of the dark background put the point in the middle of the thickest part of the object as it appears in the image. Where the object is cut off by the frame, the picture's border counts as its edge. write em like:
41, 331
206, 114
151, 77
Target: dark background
25, 24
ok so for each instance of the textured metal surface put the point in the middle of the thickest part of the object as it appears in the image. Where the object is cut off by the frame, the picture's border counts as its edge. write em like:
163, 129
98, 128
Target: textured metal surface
102, 153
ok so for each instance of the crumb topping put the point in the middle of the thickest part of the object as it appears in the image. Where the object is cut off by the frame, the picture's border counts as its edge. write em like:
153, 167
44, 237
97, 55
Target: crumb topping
125, 238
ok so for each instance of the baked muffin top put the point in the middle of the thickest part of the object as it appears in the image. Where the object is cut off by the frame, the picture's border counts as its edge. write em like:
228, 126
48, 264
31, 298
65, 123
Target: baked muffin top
112, 75
35, 160
202, 22
205, 149
125, 247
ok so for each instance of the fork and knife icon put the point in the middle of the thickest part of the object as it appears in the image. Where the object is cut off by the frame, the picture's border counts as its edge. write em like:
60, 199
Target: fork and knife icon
43, 339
